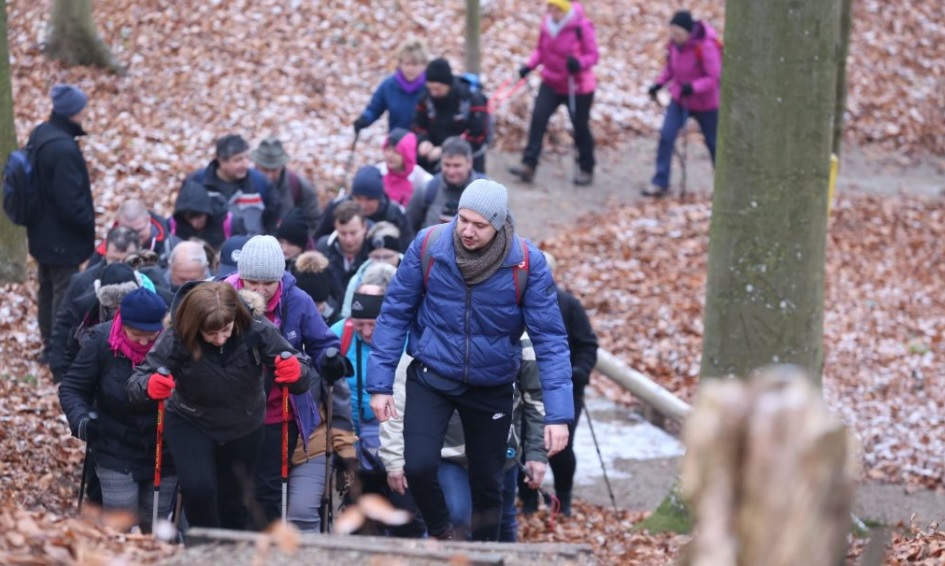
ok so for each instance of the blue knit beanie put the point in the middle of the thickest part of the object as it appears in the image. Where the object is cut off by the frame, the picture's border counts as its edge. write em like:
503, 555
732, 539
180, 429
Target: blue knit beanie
488, 198
368, 183
68, 100
143, 310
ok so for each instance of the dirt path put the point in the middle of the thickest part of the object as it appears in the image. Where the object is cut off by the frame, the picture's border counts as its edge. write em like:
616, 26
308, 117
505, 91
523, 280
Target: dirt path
552, 203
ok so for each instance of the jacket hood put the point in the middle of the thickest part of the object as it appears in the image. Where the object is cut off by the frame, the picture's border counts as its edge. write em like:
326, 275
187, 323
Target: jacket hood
110, 296
255, 302
702, 31
193, 197
406, 146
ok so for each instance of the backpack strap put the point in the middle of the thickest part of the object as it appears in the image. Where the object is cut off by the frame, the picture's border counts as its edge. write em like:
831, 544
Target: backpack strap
520, 274
347, 334
295, 187
426, 256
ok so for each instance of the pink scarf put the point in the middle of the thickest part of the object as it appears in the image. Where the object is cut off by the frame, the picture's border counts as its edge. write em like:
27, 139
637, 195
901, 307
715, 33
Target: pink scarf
120, 343
271, 307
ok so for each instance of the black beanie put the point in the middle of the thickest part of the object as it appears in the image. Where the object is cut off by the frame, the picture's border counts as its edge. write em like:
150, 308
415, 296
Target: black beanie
116, 273
293, 229
312, 276
682, 19
439, 71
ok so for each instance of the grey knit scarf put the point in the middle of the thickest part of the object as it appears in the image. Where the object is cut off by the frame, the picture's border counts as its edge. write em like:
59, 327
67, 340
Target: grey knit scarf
477, 266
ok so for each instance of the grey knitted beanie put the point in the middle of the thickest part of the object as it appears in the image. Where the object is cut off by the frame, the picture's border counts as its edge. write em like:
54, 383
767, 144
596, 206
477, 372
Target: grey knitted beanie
261, 259
488, 198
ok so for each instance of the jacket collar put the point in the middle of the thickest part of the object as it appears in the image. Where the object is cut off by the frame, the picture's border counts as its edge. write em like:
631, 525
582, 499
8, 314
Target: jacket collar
66, 125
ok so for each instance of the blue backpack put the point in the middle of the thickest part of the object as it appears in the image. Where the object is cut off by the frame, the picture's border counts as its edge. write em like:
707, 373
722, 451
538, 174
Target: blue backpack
21, 199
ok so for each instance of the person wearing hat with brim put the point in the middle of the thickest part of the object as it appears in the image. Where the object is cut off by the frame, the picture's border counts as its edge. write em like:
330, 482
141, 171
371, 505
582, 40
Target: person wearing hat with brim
61, 232
287, 189
122, 437
261, 270
461, 299
448, 107
693, 72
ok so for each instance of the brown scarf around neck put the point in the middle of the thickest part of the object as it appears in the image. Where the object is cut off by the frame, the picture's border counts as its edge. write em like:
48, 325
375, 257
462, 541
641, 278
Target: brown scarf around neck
477, 266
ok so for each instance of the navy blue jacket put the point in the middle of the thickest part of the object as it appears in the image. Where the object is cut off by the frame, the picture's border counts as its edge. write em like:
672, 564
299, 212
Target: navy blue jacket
399, 105
472, 334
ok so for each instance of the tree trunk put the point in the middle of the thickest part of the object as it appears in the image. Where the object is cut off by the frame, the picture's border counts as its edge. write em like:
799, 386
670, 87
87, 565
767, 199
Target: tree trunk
846, 23
12, 237
765, 288
769, 473
73, 39
473, 31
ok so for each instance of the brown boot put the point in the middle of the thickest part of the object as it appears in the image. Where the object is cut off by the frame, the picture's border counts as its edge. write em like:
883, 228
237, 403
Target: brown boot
526, 173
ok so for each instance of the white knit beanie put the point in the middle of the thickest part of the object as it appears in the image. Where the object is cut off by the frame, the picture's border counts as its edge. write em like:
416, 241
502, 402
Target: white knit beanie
261, 259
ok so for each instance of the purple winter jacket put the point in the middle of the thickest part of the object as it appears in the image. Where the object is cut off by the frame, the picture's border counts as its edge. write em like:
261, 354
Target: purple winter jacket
697, 62
577, 38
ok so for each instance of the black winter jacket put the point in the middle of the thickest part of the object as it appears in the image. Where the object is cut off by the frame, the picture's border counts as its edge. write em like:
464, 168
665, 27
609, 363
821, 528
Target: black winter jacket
581, 338
194, 197
388, 211
75, 320
223, 393
126, 439
63, 233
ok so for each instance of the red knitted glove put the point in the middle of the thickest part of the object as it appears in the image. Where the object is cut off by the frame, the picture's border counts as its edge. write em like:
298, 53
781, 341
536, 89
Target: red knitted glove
288, 370
160, 386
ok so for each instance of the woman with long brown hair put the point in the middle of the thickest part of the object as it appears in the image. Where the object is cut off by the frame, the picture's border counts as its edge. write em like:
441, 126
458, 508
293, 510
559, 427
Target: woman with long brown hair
216, 351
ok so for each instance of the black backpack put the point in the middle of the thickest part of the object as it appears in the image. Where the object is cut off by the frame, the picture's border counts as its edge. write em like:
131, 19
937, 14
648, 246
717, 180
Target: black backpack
21, 199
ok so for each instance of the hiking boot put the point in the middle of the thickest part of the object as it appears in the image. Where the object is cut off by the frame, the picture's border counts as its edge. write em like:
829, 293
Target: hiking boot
564, 499
525, 173
655, 191
445, 535
583, 178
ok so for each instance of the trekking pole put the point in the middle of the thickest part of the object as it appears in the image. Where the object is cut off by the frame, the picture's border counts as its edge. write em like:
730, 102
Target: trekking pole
572, 107
552, 501
328, 490
600, 457
157, 456
505, 92
87, 462
285, 443
350, 162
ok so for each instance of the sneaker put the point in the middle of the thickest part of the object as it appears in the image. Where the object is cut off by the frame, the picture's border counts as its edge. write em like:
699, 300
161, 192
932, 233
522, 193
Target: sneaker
583, 178
524, 172
655, 191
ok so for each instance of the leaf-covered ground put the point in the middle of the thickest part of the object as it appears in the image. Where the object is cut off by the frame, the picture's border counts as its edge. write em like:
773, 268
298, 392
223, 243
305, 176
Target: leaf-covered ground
303, 70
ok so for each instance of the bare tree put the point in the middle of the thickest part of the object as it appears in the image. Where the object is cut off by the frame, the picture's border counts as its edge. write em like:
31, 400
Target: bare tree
73, 39
473, 31
12, 237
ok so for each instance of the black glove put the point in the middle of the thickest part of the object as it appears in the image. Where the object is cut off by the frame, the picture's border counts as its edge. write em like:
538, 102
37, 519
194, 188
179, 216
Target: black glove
88, 427
579, 377
654, 88
360, 124
574, 66
686, 89
523, 71
335, 366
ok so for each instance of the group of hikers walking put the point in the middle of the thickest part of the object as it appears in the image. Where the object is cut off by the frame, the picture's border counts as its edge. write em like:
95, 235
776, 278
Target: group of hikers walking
251, 348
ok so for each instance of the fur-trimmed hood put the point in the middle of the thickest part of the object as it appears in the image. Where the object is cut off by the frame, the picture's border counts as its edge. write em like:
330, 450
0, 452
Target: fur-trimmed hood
110, 296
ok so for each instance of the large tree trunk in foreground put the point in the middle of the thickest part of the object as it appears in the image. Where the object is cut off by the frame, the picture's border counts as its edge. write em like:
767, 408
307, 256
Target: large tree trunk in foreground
765, 289
768, 473
12, 237
473, 32
73, 39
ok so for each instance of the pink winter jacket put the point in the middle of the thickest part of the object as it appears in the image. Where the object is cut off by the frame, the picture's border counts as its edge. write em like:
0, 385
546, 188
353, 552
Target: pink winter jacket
577, 38
697, 62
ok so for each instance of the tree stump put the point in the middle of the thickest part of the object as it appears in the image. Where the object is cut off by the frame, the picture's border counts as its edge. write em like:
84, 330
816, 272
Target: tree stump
769, 474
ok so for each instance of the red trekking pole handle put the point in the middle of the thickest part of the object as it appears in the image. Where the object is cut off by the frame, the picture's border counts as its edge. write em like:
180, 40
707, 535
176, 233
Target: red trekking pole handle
285, 443
159, 444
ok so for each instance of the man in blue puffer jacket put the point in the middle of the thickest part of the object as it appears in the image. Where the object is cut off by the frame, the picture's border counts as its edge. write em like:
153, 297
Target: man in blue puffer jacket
463, 300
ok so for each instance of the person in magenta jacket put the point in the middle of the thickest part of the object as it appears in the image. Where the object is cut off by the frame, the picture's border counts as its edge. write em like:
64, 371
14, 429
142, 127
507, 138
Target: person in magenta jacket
566, 51
693, 70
